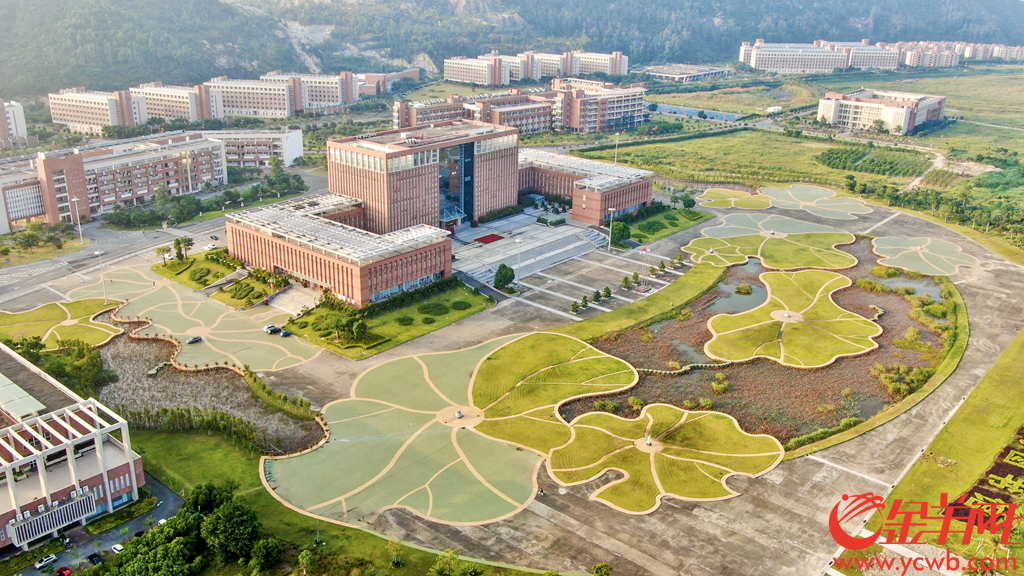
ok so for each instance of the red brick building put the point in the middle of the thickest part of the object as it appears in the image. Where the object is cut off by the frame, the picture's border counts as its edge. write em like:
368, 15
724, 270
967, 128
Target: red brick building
597, 189
404, 177
318, 239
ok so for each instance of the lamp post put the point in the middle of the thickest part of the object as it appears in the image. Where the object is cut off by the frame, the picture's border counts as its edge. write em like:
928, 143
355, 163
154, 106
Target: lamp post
519, 258
611, 220
100, 254
80, 240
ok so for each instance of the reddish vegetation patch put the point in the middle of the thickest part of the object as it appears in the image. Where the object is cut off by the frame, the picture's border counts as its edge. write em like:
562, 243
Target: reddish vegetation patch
764, 396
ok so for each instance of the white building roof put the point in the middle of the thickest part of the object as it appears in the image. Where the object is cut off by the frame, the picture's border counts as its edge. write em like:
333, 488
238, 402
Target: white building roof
598, 177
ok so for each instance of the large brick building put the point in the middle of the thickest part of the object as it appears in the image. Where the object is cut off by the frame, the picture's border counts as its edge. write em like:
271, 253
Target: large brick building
438, 175
899, 112
598, 190
64, 460
318, 240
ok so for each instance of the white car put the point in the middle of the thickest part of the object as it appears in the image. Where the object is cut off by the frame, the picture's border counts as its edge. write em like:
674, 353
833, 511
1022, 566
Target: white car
117, 548
46, 561
162, 522
211, 247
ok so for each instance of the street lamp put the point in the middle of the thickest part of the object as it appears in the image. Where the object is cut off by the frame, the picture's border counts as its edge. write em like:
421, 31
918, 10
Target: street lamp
519, 258
102, 281
611, 220
80, 240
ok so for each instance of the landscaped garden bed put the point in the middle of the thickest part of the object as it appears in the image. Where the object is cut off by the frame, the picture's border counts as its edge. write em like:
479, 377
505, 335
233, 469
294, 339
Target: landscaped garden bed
196, 272
765, 396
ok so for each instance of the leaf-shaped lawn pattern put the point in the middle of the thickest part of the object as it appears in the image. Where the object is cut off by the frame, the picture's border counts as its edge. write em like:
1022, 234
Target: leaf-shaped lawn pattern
798, 326
724, 198
923, 255
818, 201
689, 456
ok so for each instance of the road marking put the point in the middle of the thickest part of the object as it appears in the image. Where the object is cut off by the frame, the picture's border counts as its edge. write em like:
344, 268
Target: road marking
51, 289
844, 469
627, 272
868, 231
549, 309
563, 296
571, 283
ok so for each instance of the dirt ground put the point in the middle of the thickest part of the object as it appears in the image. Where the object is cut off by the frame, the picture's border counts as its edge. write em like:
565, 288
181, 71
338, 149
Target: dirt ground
764, 396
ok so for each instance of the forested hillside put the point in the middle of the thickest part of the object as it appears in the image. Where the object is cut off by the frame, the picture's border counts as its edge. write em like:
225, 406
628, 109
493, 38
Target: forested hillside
105, 44
111, 44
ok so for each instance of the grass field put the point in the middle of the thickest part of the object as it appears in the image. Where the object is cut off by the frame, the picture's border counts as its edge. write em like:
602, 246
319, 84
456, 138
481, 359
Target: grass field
741, 100
552, 138
670, 222
965, 139
662, 304
386, 325
793, 251
19, 257
754, 157
199, 457
442, 90
798, 326
968, 444
60, 321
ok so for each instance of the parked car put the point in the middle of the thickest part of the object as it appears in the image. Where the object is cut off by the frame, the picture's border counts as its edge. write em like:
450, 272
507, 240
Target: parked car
273, 330
162, 522
45, 561
194, 340
285, 334
269, 327
214, 238
210, 247
139, 533
117, 548
64, 571
95, 559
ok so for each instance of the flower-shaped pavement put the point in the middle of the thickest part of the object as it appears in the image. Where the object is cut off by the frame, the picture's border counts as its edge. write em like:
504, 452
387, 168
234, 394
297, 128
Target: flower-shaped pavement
779, 242
666, 451
818, 201
444, 434
924, 255
724, 198
799, 325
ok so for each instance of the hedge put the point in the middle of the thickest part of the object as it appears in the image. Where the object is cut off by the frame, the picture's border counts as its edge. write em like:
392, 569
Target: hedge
294, 407
461, 305
500, 213
129, 512
821, 434
433, 309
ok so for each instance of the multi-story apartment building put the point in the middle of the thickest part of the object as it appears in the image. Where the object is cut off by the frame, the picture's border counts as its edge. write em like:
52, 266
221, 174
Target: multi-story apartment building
81, 110
821, 56
582, 62
528, 110
586, 106
598, 190
374, 84
436, 175
12, 123
319, 240
483, 71
64, 460
259, 98
900, 112
685, 73
320, 92
21, 197
255, 148
192, 103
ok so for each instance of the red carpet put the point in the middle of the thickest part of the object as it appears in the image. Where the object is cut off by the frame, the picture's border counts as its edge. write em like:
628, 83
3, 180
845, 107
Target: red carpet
489, 238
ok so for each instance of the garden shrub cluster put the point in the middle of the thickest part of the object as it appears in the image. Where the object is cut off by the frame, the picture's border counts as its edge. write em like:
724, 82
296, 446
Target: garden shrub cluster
404, 321
501, 213
141, 506
269, 278
461, 305
869, 159
409, 297
433, 309
652, 227
550, 222
642, 213
901, 380
199, 275
221, 256
844, 424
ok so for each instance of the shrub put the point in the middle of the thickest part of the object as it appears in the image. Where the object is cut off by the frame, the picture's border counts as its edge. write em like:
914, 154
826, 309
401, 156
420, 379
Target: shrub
937, 310
461, 305
198, 274
707, 403
673, 365
901, 380
872, 286
433, 309
302, 324
652, 227
606, 406
325, 333
404, 321
844, 424
745, 289
429, 320
671, 217
719, 387
635, 403
905, 290
884, 272
689, 404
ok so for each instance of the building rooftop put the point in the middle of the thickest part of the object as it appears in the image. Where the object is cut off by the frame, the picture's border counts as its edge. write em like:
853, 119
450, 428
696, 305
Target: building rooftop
598, 177
410, 138
25, 390
301, 222
886, 97
682, 69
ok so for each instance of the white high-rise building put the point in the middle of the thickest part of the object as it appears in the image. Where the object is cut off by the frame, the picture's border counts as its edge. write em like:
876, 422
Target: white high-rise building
15, 113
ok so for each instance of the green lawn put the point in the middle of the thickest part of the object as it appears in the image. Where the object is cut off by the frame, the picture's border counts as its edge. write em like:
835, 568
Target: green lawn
744, 101
199, 457
387, 328
552, 138
680, 223
512, 363
965, 139
19, 257
749, 156
694, 283
175, 271
970, 441
48, 322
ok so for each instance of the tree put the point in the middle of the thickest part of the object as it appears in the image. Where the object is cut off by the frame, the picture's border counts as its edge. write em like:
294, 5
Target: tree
504, 276
597, 296
358, 329
652, 271
276, 169
702, 115
177, 250
232, 530
652, 107
607, 292
447, 564
162, 252
26, 240
395, 548
601, 569
265, 554
878, 125
636, 277
186, 245
661, 265
584, 303
689, 202
575, 307
308, 561
626, 284
635, 403
620, 233
207, 497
